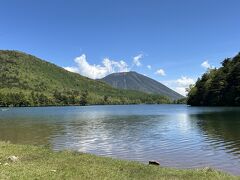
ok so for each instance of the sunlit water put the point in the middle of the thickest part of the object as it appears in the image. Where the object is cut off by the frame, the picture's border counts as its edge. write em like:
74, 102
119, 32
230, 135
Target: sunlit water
175, 135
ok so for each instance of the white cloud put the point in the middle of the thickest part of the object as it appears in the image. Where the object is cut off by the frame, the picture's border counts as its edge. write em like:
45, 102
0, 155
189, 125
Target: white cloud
181, 90
72, 69
180, 84
206, 65
185, 81
97, 71
160, 72
136, 60
149, 66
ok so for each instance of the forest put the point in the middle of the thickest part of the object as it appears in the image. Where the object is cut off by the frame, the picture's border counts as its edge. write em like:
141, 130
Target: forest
218, 87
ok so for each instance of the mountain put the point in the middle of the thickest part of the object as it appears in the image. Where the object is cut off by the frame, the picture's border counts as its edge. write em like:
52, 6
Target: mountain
218, 87
26, 80
135, 81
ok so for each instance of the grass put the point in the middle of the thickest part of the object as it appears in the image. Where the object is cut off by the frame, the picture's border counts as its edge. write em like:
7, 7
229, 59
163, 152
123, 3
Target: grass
42, 163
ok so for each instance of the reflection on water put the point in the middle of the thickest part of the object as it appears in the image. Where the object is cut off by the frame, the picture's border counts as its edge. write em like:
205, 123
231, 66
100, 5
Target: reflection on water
222, 129
176, 135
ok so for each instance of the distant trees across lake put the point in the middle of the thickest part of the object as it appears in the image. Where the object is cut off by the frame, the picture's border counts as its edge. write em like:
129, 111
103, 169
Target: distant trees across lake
20, 99
218, 87
39, 99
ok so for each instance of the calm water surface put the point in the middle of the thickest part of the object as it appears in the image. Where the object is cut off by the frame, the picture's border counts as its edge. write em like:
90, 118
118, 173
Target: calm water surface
176, 135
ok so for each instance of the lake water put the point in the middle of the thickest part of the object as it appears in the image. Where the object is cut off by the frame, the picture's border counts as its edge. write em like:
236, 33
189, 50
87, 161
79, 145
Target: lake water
175, 135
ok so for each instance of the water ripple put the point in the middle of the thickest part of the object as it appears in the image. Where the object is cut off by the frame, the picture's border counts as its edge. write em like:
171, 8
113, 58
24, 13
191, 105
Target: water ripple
176, 135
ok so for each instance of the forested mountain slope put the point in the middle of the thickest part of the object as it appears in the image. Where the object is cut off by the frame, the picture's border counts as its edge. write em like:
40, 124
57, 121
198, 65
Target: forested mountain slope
26, 80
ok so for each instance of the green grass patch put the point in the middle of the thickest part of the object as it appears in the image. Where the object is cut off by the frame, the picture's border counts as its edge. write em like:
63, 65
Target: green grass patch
42, 163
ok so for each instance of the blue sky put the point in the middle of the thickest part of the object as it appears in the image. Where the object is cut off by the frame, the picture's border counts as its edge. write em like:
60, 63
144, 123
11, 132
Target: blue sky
176, 38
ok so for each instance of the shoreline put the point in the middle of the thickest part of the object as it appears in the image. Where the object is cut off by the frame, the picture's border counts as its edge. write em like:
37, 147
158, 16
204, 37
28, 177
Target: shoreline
89, 105
31, 162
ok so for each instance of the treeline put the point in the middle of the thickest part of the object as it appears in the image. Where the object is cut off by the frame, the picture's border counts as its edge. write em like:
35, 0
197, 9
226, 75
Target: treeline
180, 101
218, 87
19, 99
57, 98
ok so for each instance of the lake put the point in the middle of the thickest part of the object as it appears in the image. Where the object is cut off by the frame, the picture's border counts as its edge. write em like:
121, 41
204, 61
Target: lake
175, 135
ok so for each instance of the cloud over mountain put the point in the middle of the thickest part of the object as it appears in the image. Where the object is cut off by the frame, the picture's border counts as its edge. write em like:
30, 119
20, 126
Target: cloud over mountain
94, 71
160, 72
137, 60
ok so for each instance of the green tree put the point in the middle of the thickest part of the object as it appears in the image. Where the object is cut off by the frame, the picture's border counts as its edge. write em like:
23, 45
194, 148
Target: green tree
105, 99
84, 96
218, 87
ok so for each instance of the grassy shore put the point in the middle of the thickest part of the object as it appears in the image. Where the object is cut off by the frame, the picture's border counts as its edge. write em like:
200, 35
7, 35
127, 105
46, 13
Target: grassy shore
43, 163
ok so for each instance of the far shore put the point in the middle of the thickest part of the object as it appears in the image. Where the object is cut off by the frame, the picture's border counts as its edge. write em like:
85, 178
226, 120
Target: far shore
89, 105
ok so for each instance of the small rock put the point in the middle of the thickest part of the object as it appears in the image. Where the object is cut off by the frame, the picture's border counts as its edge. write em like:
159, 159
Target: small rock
13, 158
6, 164
53, 170
154, 163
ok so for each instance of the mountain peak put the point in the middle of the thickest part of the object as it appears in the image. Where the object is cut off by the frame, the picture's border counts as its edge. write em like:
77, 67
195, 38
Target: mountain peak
134, 81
